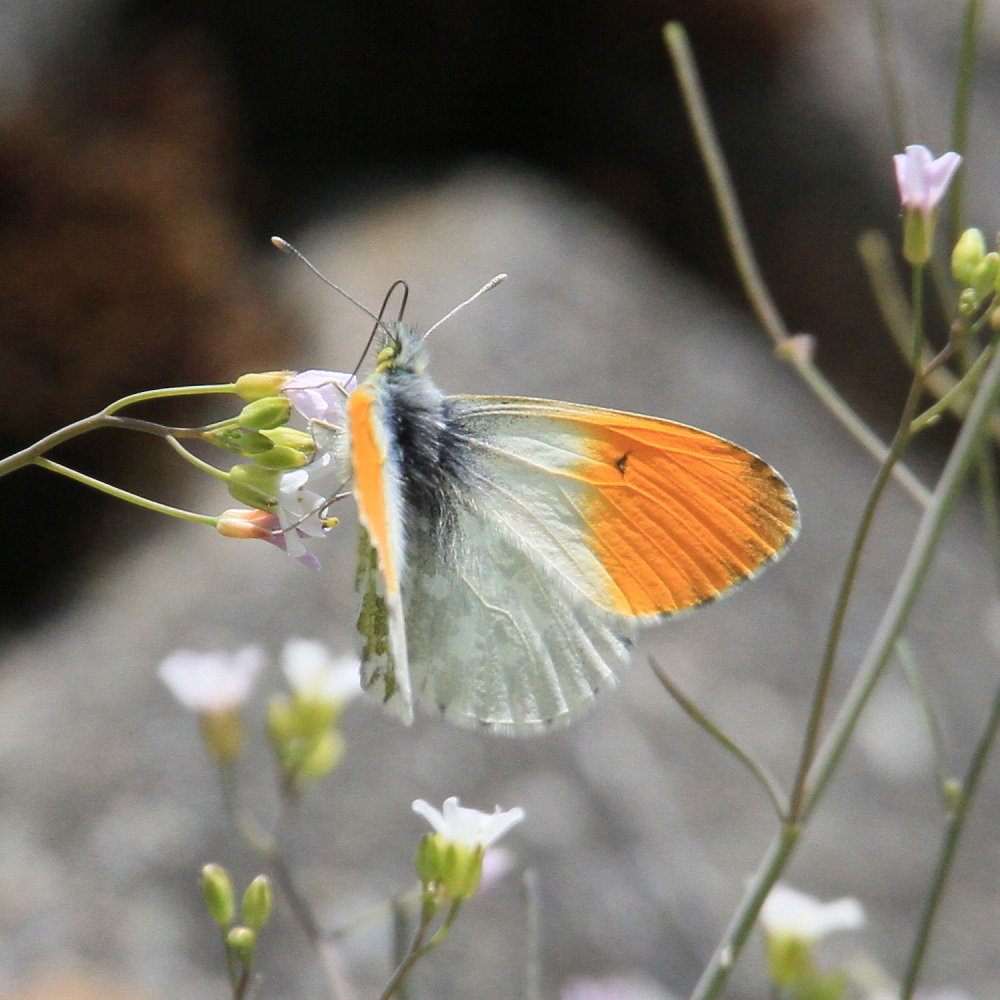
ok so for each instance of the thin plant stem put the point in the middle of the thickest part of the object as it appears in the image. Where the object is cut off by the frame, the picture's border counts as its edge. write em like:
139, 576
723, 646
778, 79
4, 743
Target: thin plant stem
401, 936
761, 302
878, 13
766, 781
420, 947
911, 578
956, 398
532, 935
148, 395
949, 848
153, 505
869, 672
912, 673
194, 460
989, 501
961, 112
846, 590
719, 967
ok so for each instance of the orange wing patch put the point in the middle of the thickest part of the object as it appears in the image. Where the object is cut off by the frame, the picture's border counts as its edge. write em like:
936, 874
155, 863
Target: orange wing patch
677, 515
368, 457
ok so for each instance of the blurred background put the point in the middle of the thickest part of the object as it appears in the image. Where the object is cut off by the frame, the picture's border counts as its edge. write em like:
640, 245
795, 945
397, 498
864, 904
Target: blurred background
148, 151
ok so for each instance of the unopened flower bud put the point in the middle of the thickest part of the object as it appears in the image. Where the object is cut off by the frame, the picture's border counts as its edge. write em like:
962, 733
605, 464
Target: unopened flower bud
290, 437
240, 440
282, 458
253, 523
427, 861
256, 909
222, 733
323, 756
266, 413
217, 889
969, 251
254, 485
241, 943
984, 276
257, 385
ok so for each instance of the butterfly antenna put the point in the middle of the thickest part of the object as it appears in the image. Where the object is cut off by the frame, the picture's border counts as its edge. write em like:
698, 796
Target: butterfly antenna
380, 323
492, 283
287, 247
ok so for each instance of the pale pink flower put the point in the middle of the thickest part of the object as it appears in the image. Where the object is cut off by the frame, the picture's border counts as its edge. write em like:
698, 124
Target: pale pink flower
922, 179
318, 394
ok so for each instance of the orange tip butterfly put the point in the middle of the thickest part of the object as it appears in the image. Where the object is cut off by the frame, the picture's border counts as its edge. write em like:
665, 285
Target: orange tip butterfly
510, 547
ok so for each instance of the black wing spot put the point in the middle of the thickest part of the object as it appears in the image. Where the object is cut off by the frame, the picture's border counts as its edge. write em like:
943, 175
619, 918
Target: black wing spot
622, 462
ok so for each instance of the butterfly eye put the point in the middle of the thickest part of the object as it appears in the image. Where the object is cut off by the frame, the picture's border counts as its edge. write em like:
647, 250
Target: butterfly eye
386, 357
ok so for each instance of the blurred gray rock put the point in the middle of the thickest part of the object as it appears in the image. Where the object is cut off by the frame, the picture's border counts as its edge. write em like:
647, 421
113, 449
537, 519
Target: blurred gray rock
641, 830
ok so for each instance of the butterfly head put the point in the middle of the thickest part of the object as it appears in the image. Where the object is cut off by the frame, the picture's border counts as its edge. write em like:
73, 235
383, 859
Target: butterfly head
402, 351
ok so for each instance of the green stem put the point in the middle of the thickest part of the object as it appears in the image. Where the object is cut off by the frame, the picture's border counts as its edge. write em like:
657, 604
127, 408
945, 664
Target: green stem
881, 34
532, 936
962, 108
846, 590
949, 848
961, 457
160, 508
194, 460
912, 672
716, 974
734, 226
869, 672
958, 392
148, 395
417, 950
767, 781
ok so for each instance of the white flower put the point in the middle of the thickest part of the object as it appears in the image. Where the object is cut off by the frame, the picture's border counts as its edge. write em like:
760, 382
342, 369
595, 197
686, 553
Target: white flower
789, 913
319, 395
637, 987
211, 682
922, 179
468, 827
313, 672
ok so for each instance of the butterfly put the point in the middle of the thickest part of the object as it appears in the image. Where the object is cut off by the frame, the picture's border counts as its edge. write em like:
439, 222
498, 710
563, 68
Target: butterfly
510, 547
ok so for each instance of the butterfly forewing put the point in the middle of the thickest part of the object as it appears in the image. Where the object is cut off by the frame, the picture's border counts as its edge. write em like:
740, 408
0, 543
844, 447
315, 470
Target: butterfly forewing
644, 517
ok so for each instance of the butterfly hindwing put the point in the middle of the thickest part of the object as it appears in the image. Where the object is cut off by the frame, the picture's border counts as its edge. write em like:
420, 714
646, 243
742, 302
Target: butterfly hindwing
496, 640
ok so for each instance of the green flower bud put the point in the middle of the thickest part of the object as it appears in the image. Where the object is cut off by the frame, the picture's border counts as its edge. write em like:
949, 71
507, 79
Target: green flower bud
301, 733
217, 889
282, 457
952, 791
241, 943
256, 909
918, 235
266, 413
290, 437
789, 959
969, 251
427, 861
255, 486
257, 385
222, 733
243, 441
463, 868
323, 755
455, 867
984, 276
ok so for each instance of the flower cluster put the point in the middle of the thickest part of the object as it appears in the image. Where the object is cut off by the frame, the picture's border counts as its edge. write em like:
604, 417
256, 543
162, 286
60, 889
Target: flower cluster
301, 725
289, 482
